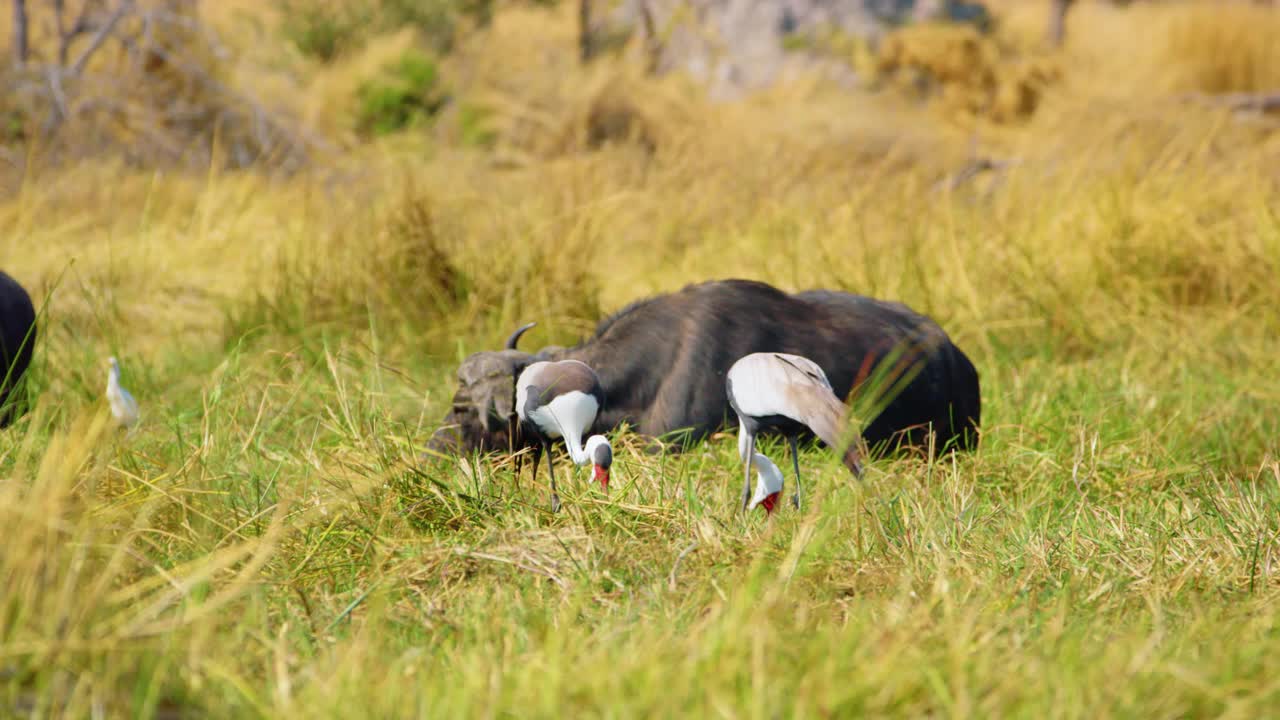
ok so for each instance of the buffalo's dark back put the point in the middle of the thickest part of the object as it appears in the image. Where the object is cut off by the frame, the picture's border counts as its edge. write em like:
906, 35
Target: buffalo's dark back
663, 361
943, 391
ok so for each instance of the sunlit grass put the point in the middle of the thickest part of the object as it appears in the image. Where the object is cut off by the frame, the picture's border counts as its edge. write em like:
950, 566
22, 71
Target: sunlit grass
269, 543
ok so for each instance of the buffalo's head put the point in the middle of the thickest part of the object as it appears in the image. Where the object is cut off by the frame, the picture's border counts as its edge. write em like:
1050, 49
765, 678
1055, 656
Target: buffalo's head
483, 415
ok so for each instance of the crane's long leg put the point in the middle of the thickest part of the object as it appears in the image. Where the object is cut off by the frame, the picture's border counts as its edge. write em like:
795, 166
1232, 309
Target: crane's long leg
555, 496
746, 471
537, 457
511, 448
795, 461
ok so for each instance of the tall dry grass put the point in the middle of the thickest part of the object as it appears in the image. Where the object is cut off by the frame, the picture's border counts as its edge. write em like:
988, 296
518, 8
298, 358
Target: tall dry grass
267, 543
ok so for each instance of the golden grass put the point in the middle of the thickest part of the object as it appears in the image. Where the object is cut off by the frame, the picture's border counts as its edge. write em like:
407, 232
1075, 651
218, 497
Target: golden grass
1223, 49
260, 546
1149, 49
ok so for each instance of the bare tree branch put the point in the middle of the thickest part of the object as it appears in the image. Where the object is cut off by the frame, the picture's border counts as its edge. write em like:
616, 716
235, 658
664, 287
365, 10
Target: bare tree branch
59, 7
20, 43
161, 16
259, 115
83, 24
652, 43
971, 171
1058, 21
101, 36
55, 89
1246, 102
184, 114
584, 30
68, 35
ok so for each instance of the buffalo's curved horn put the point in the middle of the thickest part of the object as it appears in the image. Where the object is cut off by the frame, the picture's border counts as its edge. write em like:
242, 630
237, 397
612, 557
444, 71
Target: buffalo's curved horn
515, 336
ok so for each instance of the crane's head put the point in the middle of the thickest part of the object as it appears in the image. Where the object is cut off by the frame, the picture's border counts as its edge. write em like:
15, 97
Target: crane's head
768, 484
601, 454
483, 415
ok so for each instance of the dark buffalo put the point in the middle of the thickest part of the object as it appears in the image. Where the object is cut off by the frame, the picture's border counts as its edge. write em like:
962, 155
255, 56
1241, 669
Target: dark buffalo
662, 362
17, 339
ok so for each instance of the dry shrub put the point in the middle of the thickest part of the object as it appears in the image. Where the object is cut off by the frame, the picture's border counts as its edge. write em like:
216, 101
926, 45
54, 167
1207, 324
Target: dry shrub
412, 272
389, 263
538, 101
331, 89
969, 71
612, 106
949, 54
155, 92
617, 108
538, 263
1141, 51
431, 267
615, 116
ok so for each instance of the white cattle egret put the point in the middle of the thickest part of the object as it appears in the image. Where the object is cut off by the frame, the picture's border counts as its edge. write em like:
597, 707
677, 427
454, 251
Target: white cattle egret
786, 394
560, 400
123, 407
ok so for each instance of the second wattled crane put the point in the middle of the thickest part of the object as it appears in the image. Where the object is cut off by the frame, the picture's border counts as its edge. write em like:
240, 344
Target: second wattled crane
561, 399
787, 394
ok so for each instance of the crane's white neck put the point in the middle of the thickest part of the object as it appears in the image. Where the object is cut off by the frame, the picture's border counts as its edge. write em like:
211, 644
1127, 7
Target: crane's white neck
768, 482
573, 439
569, 415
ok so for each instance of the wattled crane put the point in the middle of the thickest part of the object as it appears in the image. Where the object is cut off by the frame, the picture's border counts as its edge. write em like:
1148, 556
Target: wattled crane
787, 394
560, 400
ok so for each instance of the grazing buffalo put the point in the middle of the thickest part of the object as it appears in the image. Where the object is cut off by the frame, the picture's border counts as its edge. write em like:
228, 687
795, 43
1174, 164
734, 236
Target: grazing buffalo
17, 339
662, 364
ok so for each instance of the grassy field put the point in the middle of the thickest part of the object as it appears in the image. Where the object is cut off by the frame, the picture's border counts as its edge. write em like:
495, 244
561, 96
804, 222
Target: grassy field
266, 544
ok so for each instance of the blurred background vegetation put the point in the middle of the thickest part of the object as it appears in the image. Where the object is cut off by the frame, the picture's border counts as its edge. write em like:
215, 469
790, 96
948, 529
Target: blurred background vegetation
290, 220
270, 86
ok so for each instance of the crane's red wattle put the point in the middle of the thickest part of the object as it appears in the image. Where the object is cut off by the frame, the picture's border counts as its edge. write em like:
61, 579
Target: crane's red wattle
768, 502
602, 475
